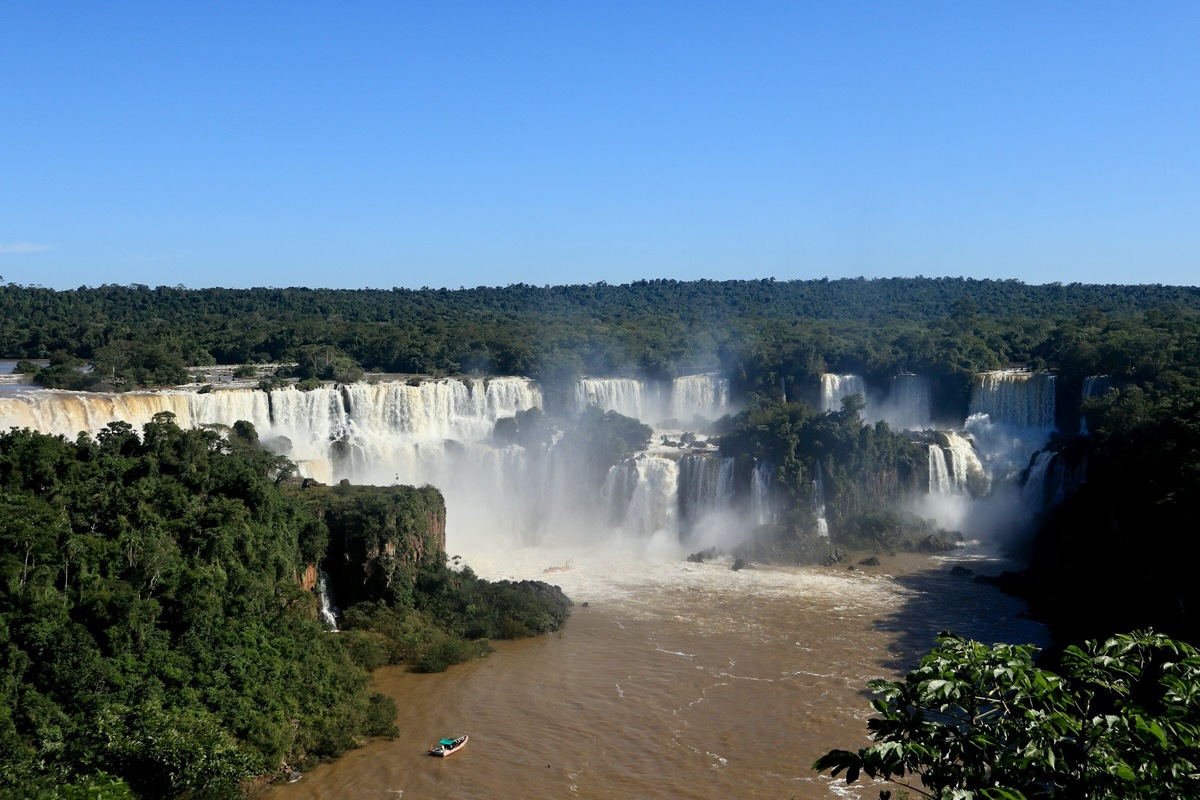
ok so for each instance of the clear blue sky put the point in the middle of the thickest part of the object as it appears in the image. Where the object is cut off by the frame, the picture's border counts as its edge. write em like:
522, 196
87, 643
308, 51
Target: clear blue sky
381, 144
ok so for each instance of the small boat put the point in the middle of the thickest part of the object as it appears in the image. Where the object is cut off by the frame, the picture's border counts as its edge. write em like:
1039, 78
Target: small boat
567, 567
448, 747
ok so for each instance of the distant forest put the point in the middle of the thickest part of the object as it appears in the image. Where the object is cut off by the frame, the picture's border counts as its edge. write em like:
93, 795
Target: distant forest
769, 337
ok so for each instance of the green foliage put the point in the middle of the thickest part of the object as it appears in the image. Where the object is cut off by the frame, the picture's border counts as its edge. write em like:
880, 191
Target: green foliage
151, 619
386, 556
600, 439
865, 469
764, 334
1121, 719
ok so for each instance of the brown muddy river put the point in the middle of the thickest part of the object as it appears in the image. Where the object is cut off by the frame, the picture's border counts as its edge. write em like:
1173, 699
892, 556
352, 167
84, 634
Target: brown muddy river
676, 681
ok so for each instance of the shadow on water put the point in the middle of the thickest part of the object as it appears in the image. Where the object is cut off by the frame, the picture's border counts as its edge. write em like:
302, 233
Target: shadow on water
946, 597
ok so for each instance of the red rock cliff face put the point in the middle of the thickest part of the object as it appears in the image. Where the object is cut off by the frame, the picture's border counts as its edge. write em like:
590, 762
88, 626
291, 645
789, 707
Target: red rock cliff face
308, 581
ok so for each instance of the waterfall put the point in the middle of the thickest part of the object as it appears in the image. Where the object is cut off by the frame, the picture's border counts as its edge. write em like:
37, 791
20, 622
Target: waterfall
67, 413
329, 611
939, 474
836, 387
440, 433
705, 396
1034, 492
819, 503
908, 404
617, 492
1096, 385
654, 505
1093, 386
625, 396
964, 462
1020, 399
761, 510
705, 485
1049, 480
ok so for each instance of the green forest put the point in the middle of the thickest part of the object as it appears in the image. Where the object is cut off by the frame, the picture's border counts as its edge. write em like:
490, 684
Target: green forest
158, 636
127, 547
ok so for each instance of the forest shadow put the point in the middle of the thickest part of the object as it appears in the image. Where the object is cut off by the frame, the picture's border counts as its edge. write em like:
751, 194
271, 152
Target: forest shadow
945, 596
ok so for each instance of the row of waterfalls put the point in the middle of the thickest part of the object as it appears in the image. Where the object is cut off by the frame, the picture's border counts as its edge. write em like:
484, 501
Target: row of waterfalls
439, 432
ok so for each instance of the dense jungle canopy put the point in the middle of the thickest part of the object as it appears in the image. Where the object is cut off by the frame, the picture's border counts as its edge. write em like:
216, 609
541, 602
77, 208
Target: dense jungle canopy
758, 332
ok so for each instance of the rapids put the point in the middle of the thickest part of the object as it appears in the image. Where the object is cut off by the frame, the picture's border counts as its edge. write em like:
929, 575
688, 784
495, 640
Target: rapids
675, 680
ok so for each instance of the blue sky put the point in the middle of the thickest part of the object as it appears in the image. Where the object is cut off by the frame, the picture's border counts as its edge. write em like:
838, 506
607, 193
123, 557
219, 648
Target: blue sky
357, 144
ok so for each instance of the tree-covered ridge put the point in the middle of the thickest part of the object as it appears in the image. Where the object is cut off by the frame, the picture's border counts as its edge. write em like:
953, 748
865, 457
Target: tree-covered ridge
865, 470
156, 636
942, 327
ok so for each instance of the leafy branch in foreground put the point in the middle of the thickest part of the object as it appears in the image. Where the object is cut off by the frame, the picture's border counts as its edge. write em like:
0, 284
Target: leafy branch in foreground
1121, 721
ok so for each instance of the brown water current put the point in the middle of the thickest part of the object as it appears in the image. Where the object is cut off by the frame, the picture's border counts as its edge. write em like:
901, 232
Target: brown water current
677, 680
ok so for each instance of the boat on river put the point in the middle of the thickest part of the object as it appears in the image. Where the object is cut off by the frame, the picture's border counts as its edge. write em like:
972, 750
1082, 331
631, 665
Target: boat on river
448, 747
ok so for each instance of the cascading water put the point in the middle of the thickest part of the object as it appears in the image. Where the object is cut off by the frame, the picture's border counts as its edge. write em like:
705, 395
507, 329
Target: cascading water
626, 396
705, 486
440, 433
939, 474
908, 404
329, 611
705, 396
1093, 386
654, 506
1033, 493
1020, 399
761, 509
1050, 479
819, 503
834, 388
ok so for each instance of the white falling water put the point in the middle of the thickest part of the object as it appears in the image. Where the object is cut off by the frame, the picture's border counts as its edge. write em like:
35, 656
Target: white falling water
329, 611
761, 509
836, 387
626, 396
1093, 386
1096, 385
705, 486
705, 396
440, 433
939, 473
1020, 399
654, 506
819, 503
964, 462
908, 403
1033, 493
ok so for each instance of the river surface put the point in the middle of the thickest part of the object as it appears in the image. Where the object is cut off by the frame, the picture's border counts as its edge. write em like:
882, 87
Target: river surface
676, 680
